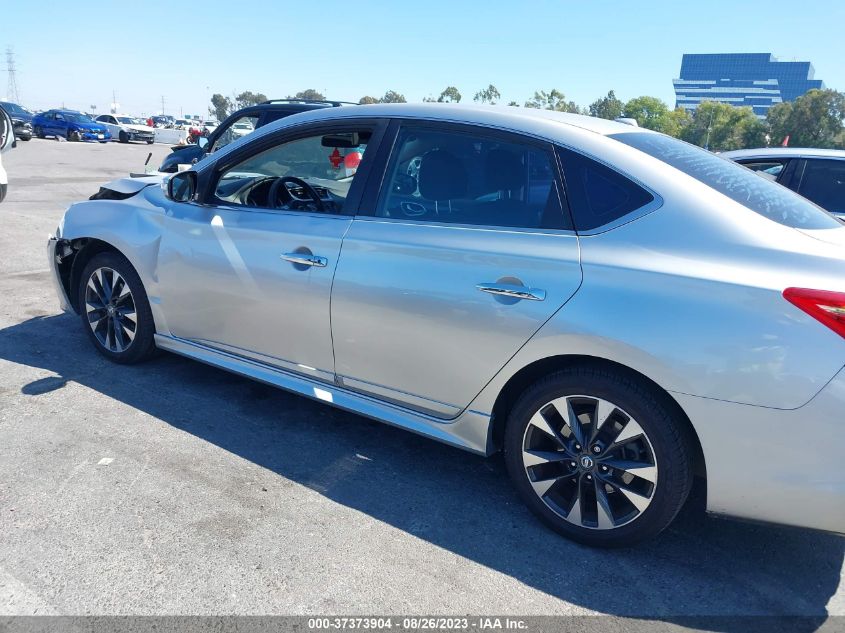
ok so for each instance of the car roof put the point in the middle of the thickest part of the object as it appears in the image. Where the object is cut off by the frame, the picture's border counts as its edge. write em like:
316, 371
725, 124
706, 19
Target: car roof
526, 120
784, 152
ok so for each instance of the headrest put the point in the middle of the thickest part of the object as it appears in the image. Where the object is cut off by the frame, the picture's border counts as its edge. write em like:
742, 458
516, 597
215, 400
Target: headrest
442, 176
503, 170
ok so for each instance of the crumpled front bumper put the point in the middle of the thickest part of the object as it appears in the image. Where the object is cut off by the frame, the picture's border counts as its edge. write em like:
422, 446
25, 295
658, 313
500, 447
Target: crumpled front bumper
55, 276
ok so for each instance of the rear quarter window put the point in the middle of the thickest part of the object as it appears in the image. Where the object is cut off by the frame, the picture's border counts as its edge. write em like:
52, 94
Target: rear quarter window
597, 194
741, 185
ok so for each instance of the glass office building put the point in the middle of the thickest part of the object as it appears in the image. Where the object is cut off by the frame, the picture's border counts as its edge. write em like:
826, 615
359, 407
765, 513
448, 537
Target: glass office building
758, 80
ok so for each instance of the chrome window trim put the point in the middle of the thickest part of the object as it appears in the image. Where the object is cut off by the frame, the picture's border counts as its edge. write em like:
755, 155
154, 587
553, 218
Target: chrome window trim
494, 228
277, 212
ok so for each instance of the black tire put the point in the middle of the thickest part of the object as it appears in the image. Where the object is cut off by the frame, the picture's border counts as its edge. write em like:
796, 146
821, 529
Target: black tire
123, 137
25, 138
668, 437
150, 142
73, 136
39, 132
142, 345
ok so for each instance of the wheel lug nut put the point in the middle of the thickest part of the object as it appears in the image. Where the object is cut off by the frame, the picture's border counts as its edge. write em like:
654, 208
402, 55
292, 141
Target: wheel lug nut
589, 477
597, 449
573, 464
604, 469
577, 447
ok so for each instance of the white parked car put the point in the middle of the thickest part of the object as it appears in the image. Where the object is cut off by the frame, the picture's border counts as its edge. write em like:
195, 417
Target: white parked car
126, 128
242, 128
209, 126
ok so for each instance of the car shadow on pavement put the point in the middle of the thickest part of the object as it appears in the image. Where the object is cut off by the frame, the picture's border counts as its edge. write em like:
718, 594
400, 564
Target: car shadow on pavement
455, 500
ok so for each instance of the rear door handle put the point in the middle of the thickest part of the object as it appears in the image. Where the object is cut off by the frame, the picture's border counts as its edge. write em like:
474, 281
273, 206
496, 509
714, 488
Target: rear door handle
304, 259
514, 291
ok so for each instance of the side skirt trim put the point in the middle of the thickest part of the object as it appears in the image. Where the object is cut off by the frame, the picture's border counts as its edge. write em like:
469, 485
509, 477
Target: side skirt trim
469, 431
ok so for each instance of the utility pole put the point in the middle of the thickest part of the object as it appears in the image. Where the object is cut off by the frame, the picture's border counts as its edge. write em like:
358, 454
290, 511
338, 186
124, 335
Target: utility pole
12, 90
162, 104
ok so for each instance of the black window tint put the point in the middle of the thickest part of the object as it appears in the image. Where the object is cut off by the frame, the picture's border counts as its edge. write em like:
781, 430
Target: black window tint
762, 196
598, 195
824, 183
467, 178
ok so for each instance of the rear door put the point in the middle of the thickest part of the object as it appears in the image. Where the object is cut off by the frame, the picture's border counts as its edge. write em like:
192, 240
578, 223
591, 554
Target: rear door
453, 263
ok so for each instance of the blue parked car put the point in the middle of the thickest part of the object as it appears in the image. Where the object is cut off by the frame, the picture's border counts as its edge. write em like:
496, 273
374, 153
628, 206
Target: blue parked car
74, 126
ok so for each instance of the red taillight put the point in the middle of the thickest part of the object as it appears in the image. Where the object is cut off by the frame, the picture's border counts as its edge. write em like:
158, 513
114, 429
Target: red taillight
823, 305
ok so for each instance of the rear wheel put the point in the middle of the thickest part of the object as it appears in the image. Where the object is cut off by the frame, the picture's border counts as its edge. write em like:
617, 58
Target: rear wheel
149, 142
114, 309
39, 132
598, 457
73, 135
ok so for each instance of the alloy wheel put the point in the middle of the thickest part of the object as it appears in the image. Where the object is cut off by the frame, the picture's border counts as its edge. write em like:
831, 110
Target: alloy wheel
589, 462
110, 309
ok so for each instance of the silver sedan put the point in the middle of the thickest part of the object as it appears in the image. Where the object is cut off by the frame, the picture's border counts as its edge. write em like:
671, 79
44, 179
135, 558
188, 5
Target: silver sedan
618, 311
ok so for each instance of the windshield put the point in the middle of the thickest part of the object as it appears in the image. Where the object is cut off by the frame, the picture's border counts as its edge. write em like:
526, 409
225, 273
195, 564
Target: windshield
76, 117
738, 183
126, 119
13, 108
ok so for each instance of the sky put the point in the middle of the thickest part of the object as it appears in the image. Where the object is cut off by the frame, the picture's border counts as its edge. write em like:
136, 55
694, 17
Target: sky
143, 51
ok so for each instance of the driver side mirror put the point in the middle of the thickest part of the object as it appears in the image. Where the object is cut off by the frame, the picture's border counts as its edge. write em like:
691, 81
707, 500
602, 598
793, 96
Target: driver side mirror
202, 142
182, 186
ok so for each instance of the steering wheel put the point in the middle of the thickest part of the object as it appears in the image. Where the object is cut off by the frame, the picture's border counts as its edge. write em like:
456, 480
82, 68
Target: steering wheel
279, 185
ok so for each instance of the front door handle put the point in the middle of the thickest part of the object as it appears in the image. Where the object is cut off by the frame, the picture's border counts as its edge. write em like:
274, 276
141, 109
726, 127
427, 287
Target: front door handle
514, 291
304, 259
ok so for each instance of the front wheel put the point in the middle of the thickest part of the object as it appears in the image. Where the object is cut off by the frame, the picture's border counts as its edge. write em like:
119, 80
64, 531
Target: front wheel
115, 310
149, 142
73, 135
123, 137
39, 132
598, 457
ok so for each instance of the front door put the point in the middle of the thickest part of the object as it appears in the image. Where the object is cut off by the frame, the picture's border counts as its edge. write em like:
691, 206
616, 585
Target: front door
250, 272
465, 254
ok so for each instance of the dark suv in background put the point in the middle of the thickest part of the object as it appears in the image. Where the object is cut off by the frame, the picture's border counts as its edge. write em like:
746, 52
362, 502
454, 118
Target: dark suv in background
21, 119
240, 124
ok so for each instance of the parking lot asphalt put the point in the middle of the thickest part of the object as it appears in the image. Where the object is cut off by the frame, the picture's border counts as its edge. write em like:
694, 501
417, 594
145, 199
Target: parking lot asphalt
172, 487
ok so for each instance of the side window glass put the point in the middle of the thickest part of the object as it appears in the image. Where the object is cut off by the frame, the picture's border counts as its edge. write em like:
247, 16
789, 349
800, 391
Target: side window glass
597, 194
824, 183
313, 173
470, 178
239, 128
769, 169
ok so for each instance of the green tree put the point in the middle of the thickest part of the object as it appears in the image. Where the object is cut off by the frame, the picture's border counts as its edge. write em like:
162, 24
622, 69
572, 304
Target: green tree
221, 106
513, 103
721, 127
608, 107
675, 122
366, 100
449, 95
554, 100
308, 95
812, 120
650, 112
248, 98
391, 96
490, 95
